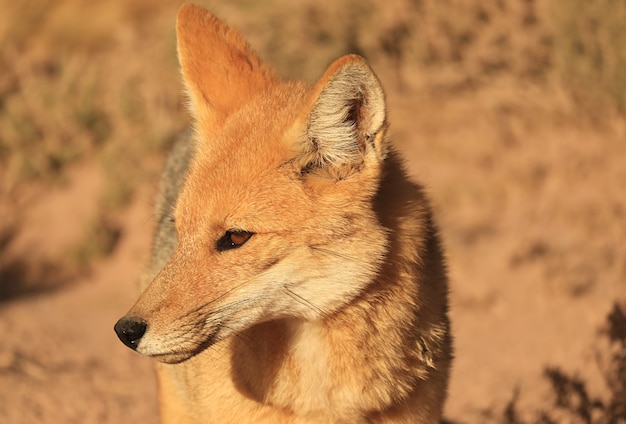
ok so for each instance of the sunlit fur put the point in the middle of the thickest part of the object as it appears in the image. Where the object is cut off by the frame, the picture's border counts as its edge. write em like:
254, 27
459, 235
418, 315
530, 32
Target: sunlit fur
335, 310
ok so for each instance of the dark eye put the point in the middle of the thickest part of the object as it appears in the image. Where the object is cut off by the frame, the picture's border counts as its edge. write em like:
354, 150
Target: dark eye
233, 239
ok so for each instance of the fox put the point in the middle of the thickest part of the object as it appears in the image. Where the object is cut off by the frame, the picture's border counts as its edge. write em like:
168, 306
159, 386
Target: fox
296, 273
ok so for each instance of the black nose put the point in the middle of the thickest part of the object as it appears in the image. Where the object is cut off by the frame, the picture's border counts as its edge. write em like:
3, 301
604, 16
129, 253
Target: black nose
130, 330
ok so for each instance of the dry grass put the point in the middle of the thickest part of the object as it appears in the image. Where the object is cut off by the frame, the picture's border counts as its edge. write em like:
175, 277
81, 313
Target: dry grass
452, 44
82, 79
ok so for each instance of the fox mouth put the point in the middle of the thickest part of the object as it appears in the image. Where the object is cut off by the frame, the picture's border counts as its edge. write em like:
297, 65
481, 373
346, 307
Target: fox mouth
182, 353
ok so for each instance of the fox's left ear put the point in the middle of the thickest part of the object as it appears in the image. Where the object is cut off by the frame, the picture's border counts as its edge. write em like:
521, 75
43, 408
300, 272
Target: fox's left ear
345, 119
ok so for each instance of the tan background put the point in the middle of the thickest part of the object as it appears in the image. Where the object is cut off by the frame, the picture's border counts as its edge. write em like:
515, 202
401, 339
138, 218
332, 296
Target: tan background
510, 112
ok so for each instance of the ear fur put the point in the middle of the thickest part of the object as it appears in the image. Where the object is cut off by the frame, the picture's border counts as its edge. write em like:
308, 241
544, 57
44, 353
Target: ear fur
220, 69
346, 118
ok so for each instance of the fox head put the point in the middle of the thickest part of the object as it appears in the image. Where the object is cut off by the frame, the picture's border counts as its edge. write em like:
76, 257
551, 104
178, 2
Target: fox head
275, 219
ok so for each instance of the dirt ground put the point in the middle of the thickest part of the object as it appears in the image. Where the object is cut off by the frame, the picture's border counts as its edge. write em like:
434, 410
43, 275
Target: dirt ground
529, 191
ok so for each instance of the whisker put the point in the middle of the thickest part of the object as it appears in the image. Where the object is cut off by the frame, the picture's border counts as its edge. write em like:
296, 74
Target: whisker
247, 341
166, 205
305, 302
341, 255
185, 332
235, 306
201, 308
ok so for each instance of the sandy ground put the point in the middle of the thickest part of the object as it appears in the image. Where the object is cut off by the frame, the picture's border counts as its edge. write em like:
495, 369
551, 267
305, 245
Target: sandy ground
531, 201
60, 361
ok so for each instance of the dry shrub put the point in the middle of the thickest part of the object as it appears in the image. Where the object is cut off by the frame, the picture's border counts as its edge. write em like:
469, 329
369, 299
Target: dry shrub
590, 49
572, 400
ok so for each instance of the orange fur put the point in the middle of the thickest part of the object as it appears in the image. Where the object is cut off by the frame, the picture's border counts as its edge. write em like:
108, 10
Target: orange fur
335, 309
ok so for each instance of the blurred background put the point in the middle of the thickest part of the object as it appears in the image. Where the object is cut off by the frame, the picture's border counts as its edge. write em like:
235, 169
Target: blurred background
511, 113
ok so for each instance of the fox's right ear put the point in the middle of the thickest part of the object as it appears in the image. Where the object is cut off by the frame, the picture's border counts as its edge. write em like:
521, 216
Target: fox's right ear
220, 69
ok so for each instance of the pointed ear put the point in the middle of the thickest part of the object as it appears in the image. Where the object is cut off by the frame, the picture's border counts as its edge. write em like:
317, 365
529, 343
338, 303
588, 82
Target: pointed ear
346, 121
220, 69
